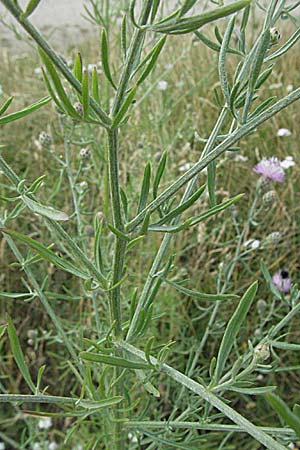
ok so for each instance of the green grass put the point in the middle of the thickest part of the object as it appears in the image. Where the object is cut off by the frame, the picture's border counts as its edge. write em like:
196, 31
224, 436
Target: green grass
165, 120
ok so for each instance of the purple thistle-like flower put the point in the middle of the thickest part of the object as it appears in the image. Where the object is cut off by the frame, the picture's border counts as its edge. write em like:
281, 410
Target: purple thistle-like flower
270, 169
282, 281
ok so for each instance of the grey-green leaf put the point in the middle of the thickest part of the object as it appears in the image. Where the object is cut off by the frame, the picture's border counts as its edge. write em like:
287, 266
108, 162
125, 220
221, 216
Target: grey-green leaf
46, 211
233, 328
18, 354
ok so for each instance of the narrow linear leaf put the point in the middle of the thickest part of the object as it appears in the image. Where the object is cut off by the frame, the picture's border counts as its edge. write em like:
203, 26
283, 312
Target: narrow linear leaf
269, 281
259, 59
188, 4
211, 183
124, 108
24, 112
253, 390
51, 91
284, 412
145, 188
233, 328
95, 85
187, 25
154, 56
118, 233
78, 68
159, 173
5, 106
18, 354
58, 86
124, 37
113, 361
47, 254
154, 10
222, 60
46, 211
30, 7
85, 94
184, 206
105, 403
105, 61
201, 295
286, 346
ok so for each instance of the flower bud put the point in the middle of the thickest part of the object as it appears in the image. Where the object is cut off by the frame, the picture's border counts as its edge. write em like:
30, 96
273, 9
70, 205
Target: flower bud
85, 153
45, 139
274, 36
261, 306
262, 352
264, 185
273, 238
78, 108
269, 199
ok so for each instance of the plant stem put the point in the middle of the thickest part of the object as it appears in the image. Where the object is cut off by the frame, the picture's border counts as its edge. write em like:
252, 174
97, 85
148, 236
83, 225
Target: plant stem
211, 398
231, 140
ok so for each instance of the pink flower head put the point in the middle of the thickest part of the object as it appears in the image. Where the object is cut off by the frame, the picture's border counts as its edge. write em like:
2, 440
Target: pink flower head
270, 169
282, 281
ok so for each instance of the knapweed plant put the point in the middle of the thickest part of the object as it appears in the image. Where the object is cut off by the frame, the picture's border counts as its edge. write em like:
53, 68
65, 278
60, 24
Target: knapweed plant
118, 367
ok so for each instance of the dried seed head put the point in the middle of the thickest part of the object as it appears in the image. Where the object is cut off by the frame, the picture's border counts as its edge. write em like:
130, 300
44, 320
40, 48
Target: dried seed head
274, 36
85, 153
45, 139
78, 108
261, 306
269, 199
262, 352
273, 238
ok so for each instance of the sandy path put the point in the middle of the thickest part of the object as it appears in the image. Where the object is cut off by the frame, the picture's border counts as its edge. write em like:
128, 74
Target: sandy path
62, 16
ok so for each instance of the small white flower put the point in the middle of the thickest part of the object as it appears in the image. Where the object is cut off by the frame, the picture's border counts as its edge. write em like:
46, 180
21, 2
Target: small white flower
185, 167
287, 162
2, 446
45, 423
283, 132
252, 243
162, 85
241, 158
291, 445
37, 70
36, 446
90, 67
290, 88
53, 446
275, 86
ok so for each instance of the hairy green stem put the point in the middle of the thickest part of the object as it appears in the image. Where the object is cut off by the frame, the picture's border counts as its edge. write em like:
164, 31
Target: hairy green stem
146, 293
